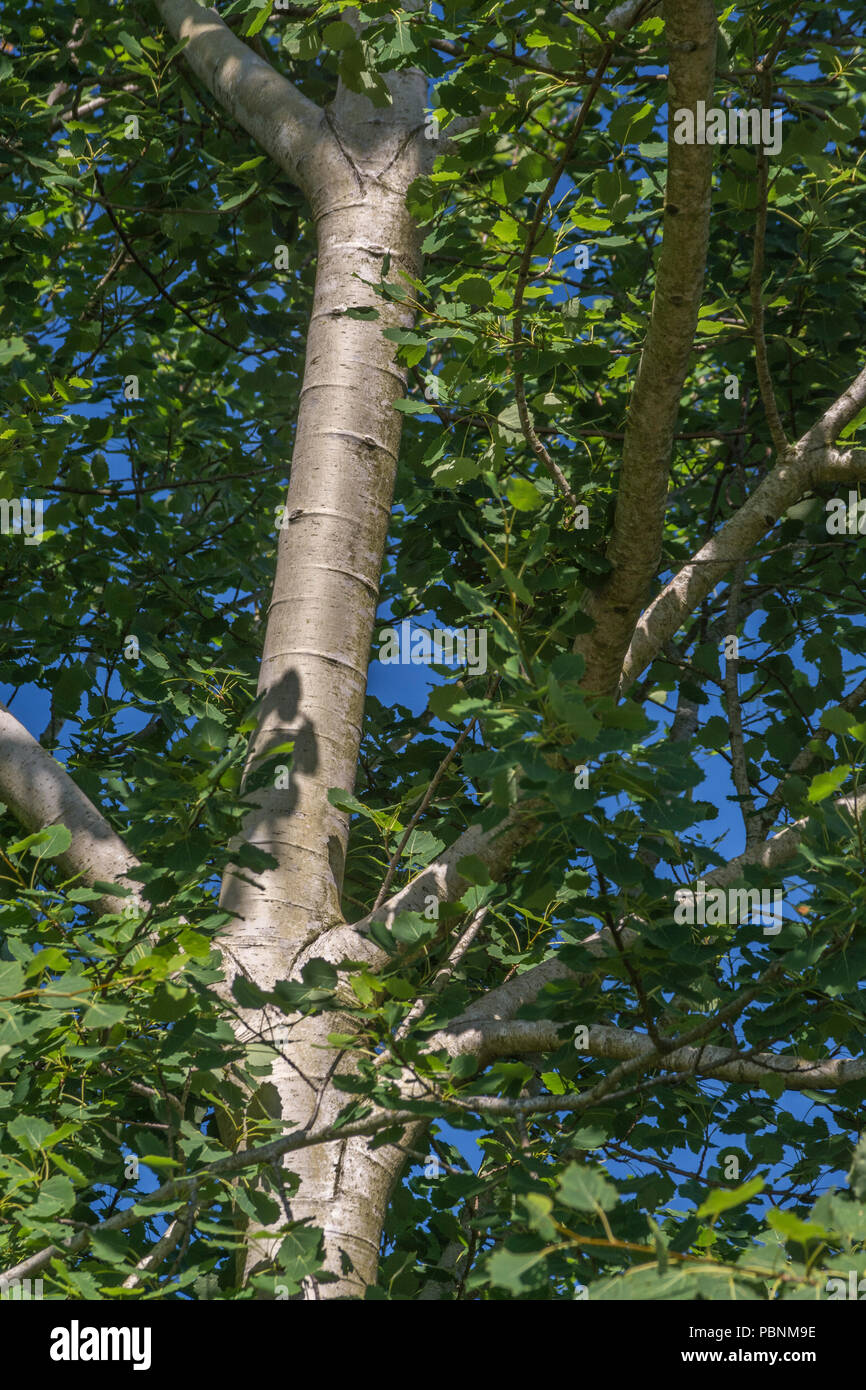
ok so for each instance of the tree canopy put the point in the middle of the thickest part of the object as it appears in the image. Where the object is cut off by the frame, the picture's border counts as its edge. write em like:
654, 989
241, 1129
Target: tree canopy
626, 387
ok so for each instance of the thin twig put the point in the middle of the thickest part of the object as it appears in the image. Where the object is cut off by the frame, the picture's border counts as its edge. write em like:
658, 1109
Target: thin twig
444, 973
765, 382
427, 798
145, 269
526, 423
739, 765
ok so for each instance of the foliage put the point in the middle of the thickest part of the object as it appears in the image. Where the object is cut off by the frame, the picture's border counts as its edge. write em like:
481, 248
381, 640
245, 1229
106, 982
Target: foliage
145, 248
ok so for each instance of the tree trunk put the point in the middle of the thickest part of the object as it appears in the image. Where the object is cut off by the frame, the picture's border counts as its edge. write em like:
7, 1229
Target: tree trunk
317, 646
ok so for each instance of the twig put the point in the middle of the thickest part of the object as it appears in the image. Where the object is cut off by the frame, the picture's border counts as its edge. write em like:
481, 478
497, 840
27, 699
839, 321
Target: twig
526, 423
178, 1228
145, 269
765, 383
444, 973
427, 798
739, 767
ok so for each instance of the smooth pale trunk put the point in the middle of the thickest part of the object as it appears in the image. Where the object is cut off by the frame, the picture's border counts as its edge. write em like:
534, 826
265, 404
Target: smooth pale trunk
316, 652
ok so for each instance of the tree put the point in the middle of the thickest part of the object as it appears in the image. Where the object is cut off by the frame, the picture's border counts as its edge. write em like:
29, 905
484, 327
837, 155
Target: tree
557, 315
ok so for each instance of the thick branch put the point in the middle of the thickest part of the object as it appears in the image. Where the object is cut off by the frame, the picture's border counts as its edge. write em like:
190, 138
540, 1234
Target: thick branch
504, 1002
782, 848
494, 1038
153, 1202
838, 415
635, 546
286, 124
40, 792
811, 462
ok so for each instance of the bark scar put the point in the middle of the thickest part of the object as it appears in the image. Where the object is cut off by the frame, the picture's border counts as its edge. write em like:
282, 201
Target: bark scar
344, 152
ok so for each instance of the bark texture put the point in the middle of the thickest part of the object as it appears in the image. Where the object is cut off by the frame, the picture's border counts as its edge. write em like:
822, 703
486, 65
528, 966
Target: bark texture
354, 162
635, 547
40, 792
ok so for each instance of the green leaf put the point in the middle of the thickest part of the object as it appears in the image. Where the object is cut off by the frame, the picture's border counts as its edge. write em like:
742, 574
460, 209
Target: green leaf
839, 721
474, 290
825, 783
110, 1246
463, 1066
11, 978
154, 658
345, 801
524, 495
412, 927
538, 1208
237, 198
56, 1194
339, 34
10, 348
30, 1130
585, 1189
247, 993
301, 1252
792, 1228
319, 974
49, 843
102, 1015
571, 708
260, 20
474, 870
854, 425
723, 1198
132, 46
508, 1268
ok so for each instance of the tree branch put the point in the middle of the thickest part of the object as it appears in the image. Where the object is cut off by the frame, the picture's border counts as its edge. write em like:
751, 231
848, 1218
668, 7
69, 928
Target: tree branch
443, 974
152, 1202
285, 123
505, 1001
40, 792
809, 463
495, 1038
635, 547
762, 369
782, 848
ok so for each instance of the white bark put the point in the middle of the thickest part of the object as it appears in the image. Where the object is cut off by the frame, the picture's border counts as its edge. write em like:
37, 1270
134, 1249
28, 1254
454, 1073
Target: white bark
355, 163
279, 118
811, 461
40, 792
488, 1039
